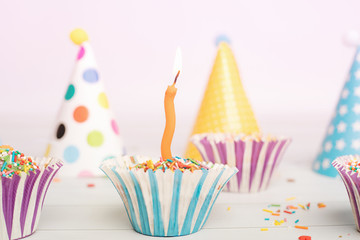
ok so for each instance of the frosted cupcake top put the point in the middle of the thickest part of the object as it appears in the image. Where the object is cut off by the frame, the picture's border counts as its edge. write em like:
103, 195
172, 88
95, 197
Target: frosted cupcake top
352, 163
173, 164
13, 162
141, 164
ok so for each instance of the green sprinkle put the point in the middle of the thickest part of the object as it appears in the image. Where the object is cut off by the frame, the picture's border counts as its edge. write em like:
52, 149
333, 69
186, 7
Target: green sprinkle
275, 205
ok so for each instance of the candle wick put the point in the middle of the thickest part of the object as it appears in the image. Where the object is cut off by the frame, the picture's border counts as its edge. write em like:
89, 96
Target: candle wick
176, 77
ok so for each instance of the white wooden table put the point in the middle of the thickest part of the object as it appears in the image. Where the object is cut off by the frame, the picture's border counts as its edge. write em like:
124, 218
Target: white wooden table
75, 211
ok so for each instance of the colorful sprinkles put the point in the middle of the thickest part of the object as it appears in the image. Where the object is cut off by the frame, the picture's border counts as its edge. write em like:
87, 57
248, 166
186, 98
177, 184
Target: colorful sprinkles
278, 214
353, 164
172, 164
13, 162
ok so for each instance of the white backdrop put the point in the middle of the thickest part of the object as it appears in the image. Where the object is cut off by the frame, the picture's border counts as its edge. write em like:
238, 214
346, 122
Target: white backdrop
290, 54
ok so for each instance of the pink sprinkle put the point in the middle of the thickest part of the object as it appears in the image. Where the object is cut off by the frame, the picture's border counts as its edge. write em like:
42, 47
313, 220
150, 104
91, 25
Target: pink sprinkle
85, 174
81, 53
115, 127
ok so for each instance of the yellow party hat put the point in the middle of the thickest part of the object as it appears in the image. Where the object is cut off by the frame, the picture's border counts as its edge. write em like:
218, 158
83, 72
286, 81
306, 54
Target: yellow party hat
225, 107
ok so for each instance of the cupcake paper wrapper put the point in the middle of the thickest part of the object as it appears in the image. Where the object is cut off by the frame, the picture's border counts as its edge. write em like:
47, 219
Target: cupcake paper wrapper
167, 203
352, 183
22, 199
256, 160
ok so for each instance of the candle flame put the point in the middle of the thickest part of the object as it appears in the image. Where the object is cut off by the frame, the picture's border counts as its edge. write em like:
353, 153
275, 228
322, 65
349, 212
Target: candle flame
177, 64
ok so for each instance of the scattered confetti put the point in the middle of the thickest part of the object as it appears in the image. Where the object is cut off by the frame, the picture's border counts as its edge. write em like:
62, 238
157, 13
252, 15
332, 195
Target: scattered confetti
304, 238
301, 227
291, 198
228, 208
56, 180
266, 210
264, 229
274, 205
292, 207
290, 180
278, 223
288, 210
91, 185
302, 206
321, 205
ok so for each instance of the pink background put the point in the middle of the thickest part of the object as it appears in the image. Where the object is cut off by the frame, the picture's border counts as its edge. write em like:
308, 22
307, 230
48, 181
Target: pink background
291, 56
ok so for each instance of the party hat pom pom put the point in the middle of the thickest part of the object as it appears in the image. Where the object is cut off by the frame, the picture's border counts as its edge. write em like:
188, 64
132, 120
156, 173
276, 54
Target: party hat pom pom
78, 36
222, 38
352, 38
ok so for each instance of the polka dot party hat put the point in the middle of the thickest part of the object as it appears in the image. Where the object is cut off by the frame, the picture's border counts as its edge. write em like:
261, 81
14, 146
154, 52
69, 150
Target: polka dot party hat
343, 133
225, 107
86, 131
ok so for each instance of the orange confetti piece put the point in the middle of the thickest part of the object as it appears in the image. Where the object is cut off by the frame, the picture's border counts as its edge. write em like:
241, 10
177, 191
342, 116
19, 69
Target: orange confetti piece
56, 180
301, 227
292, 207
321, 205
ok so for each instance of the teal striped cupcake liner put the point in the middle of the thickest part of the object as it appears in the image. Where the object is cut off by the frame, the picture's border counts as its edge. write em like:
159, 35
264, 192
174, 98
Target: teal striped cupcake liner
170, 203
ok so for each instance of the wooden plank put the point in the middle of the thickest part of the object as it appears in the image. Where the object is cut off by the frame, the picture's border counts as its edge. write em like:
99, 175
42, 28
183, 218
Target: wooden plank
333, 232
239, 216
308, 187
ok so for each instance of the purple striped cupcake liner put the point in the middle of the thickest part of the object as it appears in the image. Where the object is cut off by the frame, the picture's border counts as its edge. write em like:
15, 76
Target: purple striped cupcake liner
22, 198
351, 180
256, 158
170, 203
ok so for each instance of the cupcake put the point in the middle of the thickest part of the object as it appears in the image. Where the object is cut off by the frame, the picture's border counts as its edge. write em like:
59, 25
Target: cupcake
349, 170
171, 197
256, 157
24, 183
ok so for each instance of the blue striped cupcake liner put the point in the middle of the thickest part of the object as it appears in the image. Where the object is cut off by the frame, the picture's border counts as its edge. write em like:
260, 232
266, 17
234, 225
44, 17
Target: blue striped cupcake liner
170, 203
22, 198
255, 158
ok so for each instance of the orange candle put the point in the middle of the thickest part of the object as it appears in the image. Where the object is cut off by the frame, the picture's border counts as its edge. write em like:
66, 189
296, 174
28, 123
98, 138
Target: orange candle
170, 121
170, 113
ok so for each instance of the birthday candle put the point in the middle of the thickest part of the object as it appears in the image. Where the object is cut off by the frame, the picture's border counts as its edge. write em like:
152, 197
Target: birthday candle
170, 112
